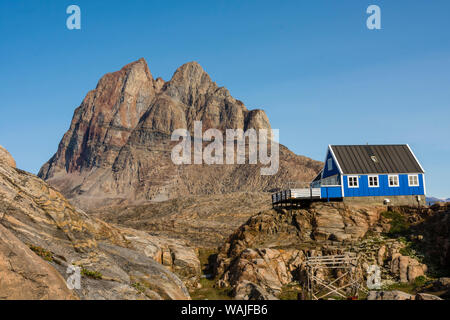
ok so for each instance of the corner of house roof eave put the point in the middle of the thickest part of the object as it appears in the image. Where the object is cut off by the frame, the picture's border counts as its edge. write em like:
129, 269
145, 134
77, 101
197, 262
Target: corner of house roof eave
330, 147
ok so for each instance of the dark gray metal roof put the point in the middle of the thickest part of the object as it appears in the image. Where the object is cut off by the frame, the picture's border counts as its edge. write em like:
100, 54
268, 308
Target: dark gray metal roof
365, 159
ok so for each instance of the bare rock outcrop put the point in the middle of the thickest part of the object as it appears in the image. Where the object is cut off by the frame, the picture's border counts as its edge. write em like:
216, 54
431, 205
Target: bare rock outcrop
26, 276
6, 157
427, 296
246, 290
434, 229
390, 295
118, 147
269, 269
114, 262
400, 295
270, 248
406, 268
320, 222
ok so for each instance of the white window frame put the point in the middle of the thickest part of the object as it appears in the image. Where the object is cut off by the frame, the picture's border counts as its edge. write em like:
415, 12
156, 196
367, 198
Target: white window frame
330, 164
350, 178
389, 181
409, 181
377, 179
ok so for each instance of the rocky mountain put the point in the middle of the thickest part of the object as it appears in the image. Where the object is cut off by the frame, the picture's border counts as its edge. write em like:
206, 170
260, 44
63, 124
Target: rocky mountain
117, 149
43, 239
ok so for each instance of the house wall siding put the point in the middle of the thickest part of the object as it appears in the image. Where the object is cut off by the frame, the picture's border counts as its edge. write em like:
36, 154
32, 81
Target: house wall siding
383, 190
333, 171
328, 192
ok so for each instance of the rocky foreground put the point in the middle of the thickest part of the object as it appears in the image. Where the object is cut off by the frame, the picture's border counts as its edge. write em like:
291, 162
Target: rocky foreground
42, 235
265, 256
261, 255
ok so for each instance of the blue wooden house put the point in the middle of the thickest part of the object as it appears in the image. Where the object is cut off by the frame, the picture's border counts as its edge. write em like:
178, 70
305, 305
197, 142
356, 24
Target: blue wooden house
389, 174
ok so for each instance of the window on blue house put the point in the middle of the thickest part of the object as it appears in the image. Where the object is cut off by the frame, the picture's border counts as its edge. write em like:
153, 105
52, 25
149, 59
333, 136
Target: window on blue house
330, 164
353, 182
373, 181
393, 181
413, 180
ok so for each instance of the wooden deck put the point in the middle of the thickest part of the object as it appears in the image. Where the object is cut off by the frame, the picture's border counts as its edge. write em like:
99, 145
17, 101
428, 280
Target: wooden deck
290, 195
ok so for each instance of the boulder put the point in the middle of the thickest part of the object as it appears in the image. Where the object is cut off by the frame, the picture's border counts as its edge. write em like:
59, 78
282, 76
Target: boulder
427, 296
381, 255
270, 269
247, 290
389, 295
406, 268
442, 284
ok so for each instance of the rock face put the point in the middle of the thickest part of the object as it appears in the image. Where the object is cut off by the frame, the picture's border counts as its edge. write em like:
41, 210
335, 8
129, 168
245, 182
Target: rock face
118, 146
25, 275
6, 157
303, 227
406, 268
268, 251
435, 230
42, 235
268, 269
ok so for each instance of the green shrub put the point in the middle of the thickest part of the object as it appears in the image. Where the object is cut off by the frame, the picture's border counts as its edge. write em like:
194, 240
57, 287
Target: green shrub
139, 287
44, 254
407, 251
91, 274
398, 222
420, 281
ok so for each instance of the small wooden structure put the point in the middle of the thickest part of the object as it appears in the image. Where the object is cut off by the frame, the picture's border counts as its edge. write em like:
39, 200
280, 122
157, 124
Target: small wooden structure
317, 288
292, 196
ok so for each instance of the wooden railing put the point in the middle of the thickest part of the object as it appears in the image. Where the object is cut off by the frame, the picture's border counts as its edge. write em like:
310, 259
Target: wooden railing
292, 194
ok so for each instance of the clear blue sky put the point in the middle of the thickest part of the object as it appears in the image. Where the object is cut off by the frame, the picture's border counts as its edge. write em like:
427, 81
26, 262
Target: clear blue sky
319, 73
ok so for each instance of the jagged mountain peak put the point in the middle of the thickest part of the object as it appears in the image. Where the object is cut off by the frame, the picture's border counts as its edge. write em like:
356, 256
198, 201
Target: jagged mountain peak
136, 68
190, 71
189, 83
